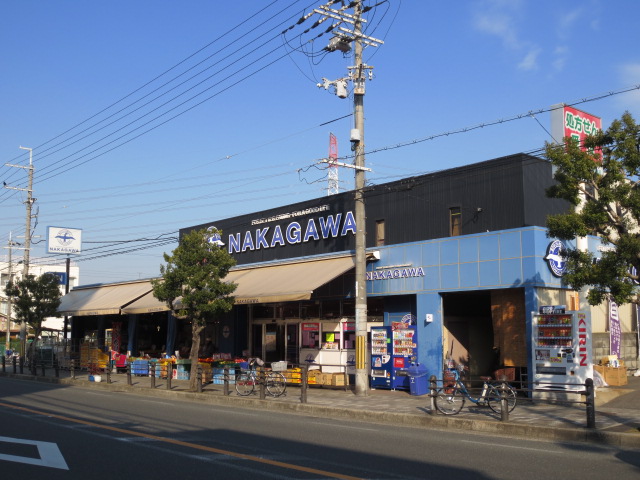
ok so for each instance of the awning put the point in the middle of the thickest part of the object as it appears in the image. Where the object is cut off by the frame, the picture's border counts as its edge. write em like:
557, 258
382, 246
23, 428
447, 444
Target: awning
102, 299
286, 282
274, 283
146, 304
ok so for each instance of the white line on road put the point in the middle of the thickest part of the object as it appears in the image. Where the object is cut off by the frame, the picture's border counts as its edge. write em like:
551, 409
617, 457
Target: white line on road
50, 455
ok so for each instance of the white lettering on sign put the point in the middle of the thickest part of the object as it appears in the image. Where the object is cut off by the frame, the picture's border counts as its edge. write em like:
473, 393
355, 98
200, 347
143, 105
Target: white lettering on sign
395, 273
331, 226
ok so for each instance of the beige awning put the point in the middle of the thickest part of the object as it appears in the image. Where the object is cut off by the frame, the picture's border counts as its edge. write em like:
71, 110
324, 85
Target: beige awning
274, 283
102, 299
146, 304
286, 282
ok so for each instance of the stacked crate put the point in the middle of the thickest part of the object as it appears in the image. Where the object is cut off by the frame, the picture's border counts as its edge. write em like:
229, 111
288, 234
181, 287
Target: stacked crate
293, 375
207, 372
183, 370
140, 367
218, 375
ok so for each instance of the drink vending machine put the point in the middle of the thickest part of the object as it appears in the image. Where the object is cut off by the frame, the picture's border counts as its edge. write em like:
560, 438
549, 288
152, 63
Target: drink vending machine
393, 350
561, 348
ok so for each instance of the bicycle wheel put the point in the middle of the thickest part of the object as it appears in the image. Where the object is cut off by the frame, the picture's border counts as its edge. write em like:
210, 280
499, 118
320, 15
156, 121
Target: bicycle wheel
276, 384
245, 384
449, 401
494, 397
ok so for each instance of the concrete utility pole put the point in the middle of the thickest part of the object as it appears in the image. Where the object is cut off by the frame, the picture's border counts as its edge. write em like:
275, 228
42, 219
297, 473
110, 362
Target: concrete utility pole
27, 235
362, 381
342, 40
8, 342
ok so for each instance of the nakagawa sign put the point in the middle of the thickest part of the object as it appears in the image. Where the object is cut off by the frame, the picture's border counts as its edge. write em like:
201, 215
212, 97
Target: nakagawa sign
64, 240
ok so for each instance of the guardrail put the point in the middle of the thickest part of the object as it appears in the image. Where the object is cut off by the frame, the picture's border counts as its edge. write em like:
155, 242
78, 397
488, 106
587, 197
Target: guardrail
552, 395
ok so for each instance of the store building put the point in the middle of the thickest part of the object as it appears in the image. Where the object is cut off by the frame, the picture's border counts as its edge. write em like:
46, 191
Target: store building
459, 257
458, 254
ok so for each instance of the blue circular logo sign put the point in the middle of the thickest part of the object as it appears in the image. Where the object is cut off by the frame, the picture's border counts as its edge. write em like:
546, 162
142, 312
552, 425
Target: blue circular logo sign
555, 258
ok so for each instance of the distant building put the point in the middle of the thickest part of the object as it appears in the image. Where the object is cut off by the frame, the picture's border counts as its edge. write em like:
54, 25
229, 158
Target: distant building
14, 272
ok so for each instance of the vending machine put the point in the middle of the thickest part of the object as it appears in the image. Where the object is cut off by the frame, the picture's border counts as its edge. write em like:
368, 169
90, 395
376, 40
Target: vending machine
561, 349
393, 350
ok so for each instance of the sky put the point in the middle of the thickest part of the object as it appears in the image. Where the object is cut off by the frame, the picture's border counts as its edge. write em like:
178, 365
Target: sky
149, 116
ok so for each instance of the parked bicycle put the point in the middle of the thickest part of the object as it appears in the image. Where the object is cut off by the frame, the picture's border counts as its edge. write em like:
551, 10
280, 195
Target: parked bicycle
451, 398
274, 382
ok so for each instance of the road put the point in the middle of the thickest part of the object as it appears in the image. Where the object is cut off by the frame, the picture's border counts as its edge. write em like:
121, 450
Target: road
53, 431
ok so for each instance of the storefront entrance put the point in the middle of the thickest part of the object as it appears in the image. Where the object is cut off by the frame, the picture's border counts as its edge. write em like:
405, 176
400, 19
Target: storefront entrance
469, 331
486, 330
275, 341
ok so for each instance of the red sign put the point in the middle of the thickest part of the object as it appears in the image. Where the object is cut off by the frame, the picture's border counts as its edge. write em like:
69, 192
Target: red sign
398, 362
310, 327
578, 124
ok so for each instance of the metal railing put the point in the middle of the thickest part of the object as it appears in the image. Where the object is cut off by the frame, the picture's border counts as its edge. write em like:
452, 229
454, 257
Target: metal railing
554, 393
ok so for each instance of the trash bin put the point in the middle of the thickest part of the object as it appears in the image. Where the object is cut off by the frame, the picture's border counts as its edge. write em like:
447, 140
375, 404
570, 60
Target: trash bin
418, 380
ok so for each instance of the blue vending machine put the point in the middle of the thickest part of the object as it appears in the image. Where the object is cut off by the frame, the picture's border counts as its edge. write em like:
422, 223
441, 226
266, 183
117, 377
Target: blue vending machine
393, 350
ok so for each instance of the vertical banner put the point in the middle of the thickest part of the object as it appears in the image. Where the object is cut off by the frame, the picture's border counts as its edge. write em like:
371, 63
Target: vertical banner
638, 329
614, 329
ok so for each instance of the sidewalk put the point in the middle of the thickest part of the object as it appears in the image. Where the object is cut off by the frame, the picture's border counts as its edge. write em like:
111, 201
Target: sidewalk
617, 408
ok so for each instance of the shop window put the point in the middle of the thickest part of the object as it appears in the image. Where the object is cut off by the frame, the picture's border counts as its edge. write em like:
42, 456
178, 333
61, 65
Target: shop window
310, 309
331, 308
375, 309
331, 340
310, 335
349, 335
290, 310
455, 221
263, 311
379, 233
349, 308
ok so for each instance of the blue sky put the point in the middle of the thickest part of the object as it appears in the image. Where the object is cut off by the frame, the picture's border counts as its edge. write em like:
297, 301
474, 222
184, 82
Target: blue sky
149, 116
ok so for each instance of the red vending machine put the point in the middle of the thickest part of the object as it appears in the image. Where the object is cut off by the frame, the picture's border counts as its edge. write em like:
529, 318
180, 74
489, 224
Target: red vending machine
393, 350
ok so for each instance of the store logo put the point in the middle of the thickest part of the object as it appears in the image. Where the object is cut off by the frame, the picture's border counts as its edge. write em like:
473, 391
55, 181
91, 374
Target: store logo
214, 238
556, 258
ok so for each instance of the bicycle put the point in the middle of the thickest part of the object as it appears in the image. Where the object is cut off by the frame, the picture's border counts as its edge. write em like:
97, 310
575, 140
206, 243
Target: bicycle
274, 382
451, 398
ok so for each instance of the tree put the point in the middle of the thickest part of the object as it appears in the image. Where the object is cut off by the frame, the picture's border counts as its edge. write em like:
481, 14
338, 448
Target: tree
192, 284
601, 180
34, 299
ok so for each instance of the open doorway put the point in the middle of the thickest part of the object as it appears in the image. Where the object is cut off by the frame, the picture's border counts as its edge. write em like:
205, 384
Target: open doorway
469, 338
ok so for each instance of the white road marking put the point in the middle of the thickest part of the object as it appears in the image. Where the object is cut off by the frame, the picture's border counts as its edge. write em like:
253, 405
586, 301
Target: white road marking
50, 455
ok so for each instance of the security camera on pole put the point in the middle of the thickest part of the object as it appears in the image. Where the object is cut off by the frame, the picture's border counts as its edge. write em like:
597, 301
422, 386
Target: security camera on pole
342, 40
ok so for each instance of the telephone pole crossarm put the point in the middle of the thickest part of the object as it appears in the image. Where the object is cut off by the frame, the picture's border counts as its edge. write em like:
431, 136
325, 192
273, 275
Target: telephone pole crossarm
345, 165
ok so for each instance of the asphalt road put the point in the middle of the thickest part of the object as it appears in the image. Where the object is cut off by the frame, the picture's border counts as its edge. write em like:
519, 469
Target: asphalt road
52, 431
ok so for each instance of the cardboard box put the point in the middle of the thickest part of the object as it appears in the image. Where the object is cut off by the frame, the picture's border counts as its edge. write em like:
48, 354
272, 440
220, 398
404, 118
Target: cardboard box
614, 376
339, 380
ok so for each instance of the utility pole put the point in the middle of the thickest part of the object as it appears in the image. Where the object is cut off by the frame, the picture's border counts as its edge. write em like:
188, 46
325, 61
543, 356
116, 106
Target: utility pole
8, 339
362, 383
27, 235
342, 40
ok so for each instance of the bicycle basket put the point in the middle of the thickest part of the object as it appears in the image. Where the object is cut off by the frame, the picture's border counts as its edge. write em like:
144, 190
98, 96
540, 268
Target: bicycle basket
279, 366
448, 381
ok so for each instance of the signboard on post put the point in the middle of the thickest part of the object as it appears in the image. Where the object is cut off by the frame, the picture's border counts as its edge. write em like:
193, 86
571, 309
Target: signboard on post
570, 122
64, 240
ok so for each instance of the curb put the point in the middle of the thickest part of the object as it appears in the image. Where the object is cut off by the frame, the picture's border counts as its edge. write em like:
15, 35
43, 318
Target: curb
435, 422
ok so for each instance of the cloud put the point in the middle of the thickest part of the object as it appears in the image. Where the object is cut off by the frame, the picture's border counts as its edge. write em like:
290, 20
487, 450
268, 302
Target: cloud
497, 18
530, 61
630, 76
500, 19
560, 55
